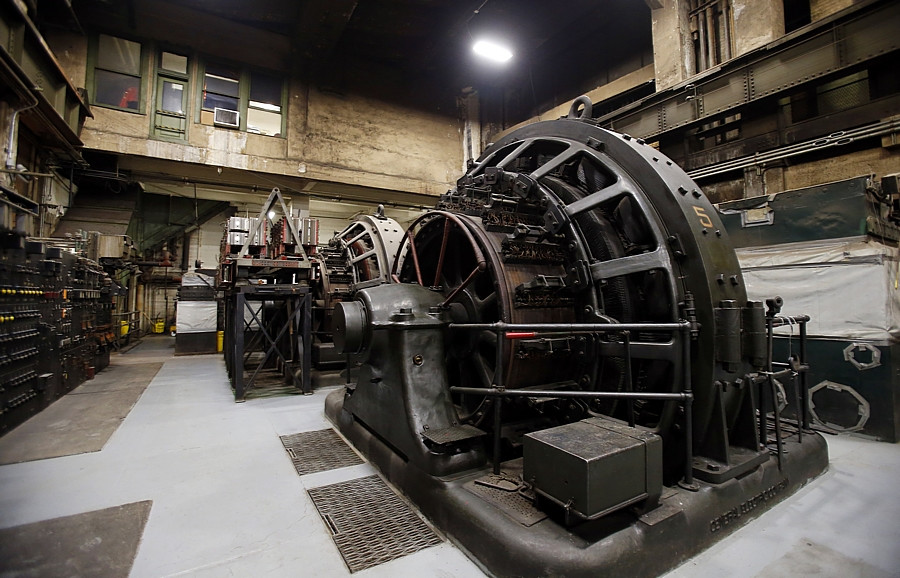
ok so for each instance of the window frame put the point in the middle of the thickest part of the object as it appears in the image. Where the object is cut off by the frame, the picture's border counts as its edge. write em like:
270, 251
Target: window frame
245, 74
162, 75
94, 66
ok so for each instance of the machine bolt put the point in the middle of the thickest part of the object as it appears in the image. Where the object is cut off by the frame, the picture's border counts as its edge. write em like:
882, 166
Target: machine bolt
418, 360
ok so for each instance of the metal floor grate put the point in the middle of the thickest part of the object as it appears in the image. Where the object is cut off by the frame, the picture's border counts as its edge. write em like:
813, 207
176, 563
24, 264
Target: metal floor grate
317, 451
370, 524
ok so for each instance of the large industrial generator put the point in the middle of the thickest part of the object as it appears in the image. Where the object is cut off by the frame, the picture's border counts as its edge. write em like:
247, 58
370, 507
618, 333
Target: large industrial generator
563, 371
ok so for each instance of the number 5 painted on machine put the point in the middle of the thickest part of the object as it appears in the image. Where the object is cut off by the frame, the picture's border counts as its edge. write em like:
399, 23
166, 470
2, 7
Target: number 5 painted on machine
704, 218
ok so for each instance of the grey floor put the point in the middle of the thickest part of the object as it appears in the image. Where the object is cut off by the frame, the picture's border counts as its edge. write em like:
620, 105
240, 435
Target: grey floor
228, 502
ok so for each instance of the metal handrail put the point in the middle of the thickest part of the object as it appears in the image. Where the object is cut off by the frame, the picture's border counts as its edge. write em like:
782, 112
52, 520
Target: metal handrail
506, 331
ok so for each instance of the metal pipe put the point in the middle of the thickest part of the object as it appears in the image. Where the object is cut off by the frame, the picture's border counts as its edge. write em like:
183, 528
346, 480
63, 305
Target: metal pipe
796, 383
726, 20
763, 422
704, 55
642, 395
776, 415
11, 149
628, 386
688, 407
710, 36
498, 408
834, 139
804, 385
782, 320
498, 385
570, 327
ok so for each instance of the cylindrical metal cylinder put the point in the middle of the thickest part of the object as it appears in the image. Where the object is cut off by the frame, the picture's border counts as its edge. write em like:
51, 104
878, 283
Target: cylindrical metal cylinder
754, 333
728, 333
349, 326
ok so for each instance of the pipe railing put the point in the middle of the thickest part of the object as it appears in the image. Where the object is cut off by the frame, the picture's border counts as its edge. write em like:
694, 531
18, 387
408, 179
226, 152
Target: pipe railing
511, 331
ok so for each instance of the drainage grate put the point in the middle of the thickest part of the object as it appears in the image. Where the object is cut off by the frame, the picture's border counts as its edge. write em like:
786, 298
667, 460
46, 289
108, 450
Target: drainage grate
511, 503
369, 523
317, 451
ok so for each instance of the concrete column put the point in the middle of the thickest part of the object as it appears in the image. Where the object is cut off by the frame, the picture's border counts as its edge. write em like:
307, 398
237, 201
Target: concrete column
756, 23
673, 55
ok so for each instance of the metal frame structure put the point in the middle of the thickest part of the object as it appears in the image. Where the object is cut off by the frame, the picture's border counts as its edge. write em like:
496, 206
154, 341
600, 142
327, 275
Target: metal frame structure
287, 336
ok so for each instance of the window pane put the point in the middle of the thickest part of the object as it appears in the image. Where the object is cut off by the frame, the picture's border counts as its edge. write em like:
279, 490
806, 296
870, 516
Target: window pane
116, 89
223, 86
265, 89
212, 100
174, 62
172, 97
263, 122
119, 54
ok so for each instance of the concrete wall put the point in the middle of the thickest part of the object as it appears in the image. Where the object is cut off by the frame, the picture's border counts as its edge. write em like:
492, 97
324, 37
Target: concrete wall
344, 138
205, 242
756, 23
819, 9
598, 94
877, 161
672, 53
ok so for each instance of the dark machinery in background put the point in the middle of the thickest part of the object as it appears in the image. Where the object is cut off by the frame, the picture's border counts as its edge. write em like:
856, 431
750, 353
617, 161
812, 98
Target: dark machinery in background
265, 277
360, 256
56, 326
280, 294
566, 375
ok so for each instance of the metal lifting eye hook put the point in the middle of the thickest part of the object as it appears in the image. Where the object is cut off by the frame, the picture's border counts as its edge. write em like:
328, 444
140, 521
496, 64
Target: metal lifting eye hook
585, 113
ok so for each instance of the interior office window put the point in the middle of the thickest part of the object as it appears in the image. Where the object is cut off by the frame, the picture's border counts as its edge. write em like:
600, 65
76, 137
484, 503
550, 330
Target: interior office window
711, 32
117, 73
222, 90
264, 108
175, 63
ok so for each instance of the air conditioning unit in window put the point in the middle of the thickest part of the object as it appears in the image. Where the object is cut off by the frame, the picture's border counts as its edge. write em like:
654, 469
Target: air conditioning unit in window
226, 117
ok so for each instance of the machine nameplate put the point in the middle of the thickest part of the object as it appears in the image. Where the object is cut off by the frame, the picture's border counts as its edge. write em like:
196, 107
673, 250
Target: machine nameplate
747, 506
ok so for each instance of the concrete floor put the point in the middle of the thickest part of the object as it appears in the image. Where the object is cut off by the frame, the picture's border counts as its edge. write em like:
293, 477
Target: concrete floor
228, 502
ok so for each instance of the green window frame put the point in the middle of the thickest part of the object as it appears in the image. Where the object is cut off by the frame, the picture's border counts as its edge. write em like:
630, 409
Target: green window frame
249, 100
118, 73
171, 95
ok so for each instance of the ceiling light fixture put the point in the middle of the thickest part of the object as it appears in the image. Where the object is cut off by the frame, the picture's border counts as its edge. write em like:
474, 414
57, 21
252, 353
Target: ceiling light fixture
492, 51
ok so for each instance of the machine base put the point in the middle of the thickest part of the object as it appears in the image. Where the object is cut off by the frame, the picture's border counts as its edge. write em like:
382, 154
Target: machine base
506, 539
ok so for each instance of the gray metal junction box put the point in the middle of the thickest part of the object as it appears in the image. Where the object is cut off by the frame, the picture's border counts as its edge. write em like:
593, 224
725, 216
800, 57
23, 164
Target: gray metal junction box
595, 466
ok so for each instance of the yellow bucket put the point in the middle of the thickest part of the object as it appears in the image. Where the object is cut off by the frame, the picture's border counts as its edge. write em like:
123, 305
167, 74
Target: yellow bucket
159, 326
123, 328
220, 341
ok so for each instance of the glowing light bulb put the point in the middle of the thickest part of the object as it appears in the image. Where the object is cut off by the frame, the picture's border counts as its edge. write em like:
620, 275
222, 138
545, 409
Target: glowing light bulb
492, 51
